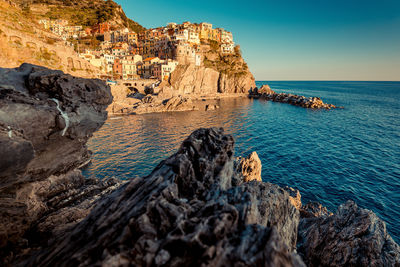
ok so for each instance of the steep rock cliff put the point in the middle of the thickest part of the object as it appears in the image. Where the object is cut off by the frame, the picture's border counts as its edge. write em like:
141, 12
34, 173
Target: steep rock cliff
46, 118
219, 73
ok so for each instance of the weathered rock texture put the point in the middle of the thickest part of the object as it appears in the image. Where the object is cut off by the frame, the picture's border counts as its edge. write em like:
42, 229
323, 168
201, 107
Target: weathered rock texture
351, 237
265, 92
46, 117
122, 102
154, 104
191, 79
250, 167
185, 213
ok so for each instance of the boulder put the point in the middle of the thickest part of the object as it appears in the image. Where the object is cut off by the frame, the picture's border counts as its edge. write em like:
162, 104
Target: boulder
351, 237
250, 167
265, 89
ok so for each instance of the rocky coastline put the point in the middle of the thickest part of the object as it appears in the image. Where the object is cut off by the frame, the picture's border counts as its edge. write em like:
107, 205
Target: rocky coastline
201, 206
46, 118
197, 95
266, 93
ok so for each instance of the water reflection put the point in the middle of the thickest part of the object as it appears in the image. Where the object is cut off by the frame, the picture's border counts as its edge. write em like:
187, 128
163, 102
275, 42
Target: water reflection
330, 156
140, 142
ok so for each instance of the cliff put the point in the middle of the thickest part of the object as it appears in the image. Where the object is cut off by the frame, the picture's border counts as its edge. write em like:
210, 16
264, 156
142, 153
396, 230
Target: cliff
219, 73
46, 118
23, 40
201, 80
81, 12
189, 86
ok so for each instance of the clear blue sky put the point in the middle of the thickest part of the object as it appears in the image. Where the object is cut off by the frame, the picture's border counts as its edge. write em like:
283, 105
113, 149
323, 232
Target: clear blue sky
296, 39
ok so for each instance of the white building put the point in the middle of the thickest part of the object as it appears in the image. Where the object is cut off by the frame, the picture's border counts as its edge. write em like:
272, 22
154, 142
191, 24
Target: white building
194, 37
162, 71
228, 48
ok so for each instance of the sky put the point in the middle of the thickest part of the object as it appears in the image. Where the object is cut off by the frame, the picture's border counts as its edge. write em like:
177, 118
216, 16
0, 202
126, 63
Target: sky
348, 40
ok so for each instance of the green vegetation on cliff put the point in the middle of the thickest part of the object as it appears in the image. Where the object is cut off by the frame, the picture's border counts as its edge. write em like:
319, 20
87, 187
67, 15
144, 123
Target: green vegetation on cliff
82, 12
225, 63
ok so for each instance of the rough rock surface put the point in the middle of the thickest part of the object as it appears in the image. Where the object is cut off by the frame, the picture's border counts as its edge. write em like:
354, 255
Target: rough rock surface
191, 79
46, 117
250, 167
314, 209
122, 103
265, 92
351, 237
265, 89
154, 104
295, 197
185, 213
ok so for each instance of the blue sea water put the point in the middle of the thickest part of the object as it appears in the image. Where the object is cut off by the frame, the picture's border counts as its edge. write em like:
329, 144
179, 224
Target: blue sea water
330, 156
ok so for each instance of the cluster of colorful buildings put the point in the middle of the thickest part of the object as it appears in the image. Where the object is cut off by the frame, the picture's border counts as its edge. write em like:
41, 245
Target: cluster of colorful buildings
153, 53
62, 28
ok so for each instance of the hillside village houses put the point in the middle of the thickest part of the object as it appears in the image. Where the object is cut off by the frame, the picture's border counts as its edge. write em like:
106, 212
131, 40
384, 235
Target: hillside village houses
154, 53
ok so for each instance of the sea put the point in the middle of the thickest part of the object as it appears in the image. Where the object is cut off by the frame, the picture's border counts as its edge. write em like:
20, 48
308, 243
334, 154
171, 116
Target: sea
331, 156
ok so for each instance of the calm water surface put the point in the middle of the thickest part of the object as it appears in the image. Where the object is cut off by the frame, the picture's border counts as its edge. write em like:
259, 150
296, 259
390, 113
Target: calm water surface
330, 156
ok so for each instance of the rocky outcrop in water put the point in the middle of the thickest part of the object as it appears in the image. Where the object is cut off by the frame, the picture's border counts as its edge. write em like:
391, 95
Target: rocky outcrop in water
351, 237
266, 93
46, 118
185, 213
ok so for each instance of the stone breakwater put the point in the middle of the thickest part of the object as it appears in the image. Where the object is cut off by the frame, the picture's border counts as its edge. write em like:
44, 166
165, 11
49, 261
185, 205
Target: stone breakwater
202, 206
266, 93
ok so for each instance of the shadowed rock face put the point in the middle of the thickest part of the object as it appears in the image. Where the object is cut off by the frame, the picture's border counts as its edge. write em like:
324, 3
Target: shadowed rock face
46, 117
351, 237
185, 213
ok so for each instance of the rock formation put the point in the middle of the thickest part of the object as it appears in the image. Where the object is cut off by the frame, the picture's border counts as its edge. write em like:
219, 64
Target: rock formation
199, 207
191, 79
46, 117
250, 167
154, 104
185, 213
122, 102
266, 93
351, 237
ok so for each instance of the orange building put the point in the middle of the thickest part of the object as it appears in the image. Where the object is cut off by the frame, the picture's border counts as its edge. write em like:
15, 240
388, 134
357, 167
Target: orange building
117, 68
101, 28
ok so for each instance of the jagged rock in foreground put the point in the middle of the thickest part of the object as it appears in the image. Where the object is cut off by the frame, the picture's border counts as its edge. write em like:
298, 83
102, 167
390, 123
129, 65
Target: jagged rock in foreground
185, 213
266, 93
46, 117
351, 237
